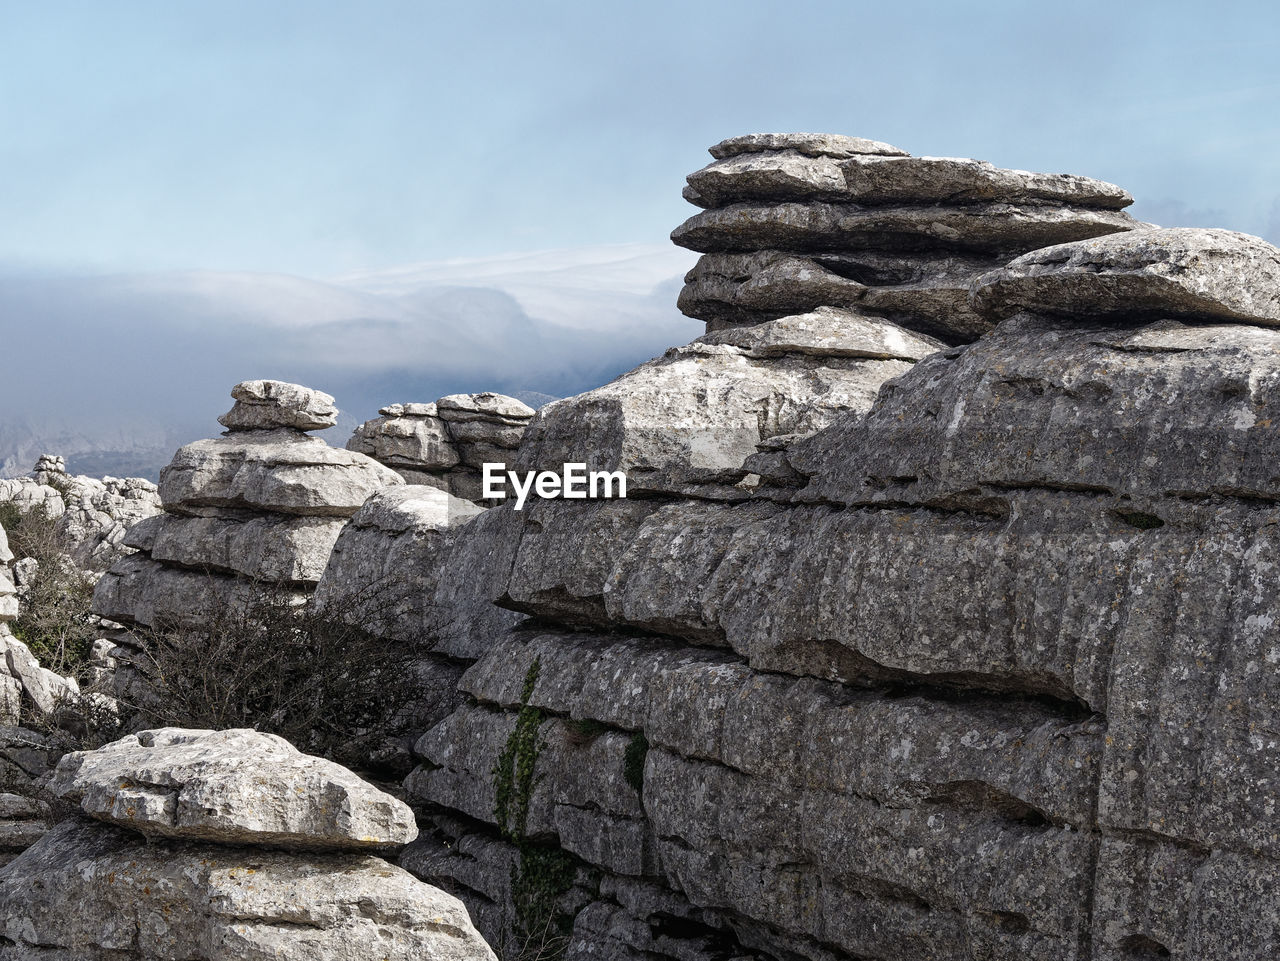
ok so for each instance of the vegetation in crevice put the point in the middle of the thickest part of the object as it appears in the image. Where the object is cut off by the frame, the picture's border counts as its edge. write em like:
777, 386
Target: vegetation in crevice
542, 874
54, 618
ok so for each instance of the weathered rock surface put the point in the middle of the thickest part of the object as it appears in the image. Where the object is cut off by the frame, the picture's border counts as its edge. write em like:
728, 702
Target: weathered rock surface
803, 221
89, 891
270, 404
1181, 272
258, 509
230, 787
981, 668
687, 421
446, 443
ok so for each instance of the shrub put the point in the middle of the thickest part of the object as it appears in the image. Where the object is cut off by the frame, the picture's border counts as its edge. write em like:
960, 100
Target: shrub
54, 619
277, 663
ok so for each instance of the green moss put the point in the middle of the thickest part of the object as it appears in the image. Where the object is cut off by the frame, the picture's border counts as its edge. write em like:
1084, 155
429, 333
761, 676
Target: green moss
514, 770
633, 762
543, 874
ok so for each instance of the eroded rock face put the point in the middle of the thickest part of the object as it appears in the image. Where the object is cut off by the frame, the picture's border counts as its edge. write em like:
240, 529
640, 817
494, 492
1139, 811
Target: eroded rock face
1186, 272
230, 787
446, 443
259, 508
269, 404
980, 669
796, 222
92, 891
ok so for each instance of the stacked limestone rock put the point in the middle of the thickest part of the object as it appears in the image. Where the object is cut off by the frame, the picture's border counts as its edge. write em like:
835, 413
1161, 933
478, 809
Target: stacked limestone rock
445, 444
260, 506
227, 844
798, 221
990, 676
92, 514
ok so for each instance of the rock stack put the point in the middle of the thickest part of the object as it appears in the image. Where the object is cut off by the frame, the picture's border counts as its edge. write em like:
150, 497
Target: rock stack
798, 221
987, 672
223, 844
260, 506
445, 444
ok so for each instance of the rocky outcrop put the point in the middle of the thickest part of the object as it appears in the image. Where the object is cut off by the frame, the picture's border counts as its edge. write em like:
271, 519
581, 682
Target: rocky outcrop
260, 506
980, 668
799, 221
230, 787
445, 444
200, 884
91, 515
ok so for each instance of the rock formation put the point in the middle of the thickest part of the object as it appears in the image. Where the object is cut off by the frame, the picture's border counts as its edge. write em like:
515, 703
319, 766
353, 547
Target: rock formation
799, 221
950, 653
92, 515
219, 845
445, 444
260, 505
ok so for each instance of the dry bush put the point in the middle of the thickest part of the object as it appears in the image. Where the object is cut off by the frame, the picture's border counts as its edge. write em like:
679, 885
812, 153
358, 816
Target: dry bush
276, 663
54, 619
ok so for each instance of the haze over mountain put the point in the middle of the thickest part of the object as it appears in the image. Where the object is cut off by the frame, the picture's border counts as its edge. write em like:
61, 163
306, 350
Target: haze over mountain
516, 323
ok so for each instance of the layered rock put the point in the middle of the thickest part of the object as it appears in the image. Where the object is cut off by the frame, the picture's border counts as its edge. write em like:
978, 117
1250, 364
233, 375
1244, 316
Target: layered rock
199, 883
985, 670
798, 221
445, 444
259, 507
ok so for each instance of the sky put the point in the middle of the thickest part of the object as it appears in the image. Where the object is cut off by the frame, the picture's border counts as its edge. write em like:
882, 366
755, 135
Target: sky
230, 155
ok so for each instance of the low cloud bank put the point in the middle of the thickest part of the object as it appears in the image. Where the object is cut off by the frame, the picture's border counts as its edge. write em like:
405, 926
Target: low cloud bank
136, 364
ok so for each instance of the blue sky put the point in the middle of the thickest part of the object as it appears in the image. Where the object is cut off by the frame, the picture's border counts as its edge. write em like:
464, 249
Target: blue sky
318, 138
194, 193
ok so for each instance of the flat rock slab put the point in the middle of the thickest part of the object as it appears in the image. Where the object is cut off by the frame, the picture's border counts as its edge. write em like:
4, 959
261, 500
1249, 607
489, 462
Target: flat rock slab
778, 176
826, 226
828, 332
87, 891
231, 787
269, 404
1182, 272
809, 144
280, 471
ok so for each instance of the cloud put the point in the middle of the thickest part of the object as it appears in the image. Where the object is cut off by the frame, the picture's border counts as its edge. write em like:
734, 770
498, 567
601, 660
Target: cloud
138, 356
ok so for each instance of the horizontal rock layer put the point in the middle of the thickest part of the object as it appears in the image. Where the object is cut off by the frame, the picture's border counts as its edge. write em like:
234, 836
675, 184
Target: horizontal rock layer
88, 891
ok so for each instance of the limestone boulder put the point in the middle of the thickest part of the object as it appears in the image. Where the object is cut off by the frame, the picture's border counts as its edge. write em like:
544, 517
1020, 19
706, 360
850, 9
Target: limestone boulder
1181, 272
272, 404
231, 787
282, 471
90, 891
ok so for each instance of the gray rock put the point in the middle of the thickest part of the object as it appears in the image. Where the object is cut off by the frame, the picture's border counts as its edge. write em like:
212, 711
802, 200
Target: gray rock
485, 405
88, 891
388, 560
823, 226
1180, 272
289, 550
688, 420
231, 787
927, 291
271, 404
808, 144
406, 435
271, 470
787, 175
828, 332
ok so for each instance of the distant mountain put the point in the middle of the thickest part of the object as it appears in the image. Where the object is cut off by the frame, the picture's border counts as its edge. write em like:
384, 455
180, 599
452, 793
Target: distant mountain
115, 372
